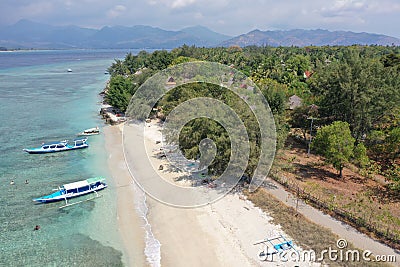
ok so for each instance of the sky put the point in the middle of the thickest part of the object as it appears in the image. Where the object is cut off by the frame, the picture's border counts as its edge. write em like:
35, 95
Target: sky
231, 17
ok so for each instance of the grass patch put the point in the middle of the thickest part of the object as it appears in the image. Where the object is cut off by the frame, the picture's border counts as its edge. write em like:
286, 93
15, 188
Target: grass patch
305, 233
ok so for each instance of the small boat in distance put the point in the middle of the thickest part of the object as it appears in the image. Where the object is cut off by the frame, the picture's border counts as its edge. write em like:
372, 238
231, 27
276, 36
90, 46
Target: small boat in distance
69, 70
90, 131
75, 189
58, 146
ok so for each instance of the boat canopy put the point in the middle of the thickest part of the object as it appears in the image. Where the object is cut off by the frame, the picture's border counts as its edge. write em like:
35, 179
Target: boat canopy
91, 130
83, 183
55, 143
75, 185
95, 180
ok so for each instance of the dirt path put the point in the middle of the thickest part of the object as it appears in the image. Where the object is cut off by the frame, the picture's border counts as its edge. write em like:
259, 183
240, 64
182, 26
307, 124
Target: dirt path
341, 229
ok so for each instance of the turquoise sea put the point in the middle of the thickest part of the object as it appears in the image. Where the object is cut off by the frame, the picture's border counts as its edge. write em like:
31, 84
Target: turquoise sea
39, 102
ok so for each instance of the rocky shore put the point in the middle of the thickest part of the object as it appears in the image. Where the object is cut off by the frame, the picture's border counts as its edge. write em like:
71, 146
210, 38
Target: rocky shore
112, 115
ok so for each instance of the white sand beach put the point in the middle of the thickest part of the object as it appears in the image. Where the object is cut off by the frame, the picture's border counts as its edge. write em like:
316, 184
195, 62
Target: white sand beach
129, 222
219, 234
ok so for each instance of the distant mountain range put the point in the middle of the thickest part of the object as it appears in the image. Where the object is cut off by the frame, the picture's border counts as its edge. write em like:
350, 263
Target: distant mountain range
26, 34
309, 37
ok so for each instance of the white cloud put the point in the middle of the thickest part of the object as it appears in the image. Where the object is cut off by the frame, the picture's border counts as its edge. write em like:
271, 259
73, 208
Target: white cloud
116, 11
384, 7
344, 8
181, 3
173, 4
211, 5
198, 15
68, 4
37, 9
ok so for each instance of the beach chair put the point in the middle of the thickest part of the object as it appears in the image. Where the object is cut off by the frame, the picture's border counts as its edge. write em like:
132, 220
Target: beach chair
274, 245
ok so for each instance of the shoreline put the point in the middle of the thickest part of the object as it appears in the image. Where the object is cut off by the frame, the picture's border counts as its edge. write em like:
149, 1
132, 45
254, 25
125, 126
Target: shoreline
130, 225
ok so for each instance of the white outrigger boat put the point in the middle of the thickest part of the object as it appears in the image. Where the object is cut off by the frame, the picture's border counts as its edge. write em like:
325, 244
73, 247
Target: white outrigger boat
75, 189
59, 146
90, 131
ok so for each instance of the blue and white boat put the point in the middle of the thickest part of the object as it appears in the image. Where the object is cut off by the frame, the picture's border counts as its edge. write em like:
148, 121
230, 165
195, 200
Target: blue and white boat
59, 146
75, 189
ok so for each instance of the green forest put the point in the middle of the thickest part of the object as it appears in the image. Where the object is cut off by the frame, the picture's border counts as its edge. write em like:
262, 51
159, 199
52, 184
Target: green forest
348, 100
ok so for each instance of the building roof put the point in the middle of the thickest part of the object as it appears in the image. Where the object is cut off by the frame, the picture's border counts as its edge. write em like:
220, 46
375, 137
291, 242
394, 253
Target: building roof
171, 81
307, 74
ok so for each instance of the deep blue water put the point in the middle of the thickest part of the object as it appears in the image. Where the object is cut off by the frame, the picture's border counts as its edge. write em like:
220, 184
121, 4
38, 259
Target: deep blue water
43, 57
40, 102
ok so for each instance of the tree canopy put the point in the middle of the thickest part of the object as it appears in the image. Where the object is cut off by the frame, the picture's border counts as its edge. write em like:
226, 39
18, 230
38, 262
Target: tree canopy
356, 85
335, 143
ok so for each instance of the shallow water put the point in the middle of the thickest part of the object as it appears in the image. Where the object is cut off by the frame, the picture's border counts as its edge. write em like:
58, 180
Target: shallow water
40, 102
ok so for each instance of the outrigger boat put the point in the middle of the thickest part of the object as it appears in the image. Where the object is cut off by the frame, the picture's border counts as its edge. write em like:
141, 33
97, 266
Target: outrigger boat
75, 189
91, 131
59, 146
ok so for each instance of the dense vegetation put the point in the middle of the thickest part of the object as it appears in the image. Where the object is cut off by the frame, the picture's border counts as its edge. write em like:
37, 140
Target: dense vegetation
201, 128
351, 93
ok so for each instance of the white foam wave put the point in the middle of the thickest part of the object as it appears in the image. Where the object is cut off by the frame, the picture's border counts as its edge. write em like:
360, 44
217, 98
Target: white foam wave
152, 248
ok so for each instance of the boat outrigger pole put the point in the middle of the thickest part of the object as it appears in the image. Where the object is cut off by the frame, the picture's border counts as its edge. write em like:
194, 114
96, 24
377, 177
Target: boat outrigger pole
71, 204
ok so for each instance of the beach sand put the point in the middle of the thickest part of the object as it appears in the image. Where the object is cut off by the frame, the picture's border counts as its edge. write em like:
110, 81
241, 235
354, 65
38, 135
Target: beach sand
130, 225
218, 234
